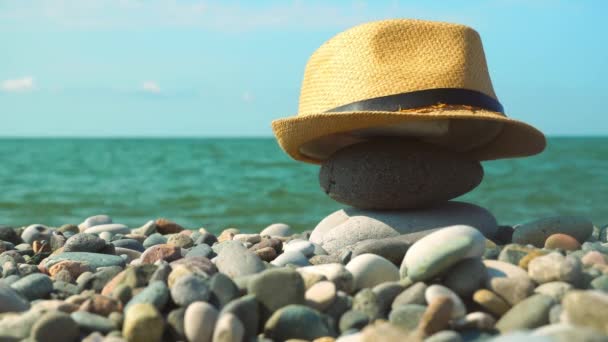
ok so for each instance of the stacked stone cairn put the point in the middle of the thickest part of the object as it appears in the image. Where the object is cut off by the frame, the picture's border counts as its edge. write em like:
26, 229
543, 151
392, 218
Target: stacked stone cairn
425, 274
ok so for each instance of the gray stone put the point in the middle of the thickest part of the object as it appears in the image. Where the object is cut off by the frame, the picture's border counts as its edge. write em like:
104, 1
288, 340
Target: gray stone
370, 270
130, 244
11, 300
156, 294
175, 324
513, 253
600, 283
367, 302
89, 322
412, 295
445, 336
392, 248
55, 326
8, 234
246, 310
84, 242
414, 174
291, 257
276, 288
436, 252
34, 286
18, 327
113, 228
235, 260
353, 320
95, 221
466, 277
189, 289
348, 226
386, 294
555, 267
566, 333
296, 322
223, 290
341, 304
94, 260
36, 232
530, 313
536, 232
201, 250
277, 229
334, 272
407, 316
307, 248
228, 328
154, 239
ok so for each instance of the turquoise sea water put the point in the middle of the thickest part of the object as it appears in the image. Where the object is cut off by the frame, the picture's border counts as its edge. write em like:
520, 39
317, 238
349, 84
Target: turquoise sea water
249, 183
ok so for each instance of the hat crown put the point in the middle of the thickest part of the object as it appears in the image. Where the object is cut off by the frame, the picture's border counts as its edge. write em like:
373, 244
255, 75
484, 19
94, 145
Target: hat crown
391, 57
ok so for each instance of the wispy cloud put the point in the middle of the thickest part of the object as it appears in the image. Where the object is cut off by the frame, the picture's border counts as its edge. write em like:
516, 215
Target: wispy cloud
19, 84
151, 87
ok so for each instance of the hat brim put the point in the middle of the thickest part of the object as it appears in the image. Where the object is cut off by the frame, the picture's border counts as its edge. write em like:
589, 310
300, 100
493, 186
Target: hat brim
515, 139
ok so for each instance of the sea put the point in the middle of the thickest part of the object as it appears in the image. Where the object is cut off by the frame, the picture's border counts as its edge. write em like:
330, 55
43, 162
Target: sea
249, 183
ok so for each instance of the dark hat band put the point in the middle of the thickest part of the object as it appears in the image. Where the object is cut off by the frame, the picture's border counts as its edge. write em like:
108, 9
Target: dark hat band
423, 98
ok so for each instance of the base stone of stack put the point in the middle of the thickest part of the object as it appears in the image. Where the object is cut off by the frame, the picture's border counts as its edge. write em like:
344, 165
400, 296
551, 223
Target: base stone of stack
346, 227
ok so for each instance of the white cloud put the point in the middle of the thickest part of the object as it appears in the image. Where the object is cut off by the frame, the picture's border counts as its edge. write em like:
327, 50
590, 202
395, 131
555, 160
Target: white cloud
151, 87
19, 84
248, 96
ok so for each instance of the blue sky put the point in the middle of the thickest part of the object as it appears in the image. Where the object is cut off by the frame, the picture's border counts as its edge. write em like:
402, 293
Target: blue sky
206, 68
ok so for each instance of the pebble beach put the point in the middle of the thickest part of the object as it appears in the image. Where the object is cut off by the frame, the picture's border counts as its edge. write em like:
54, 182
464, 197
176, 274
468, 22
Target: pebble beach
545, 280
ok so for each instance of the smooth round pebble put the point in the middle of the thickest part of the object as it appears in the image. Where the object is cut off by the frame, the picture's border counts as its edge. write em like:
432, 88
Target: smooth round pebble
370, 270
190, 289
434, 291
438, 251
143, 323
199, 321
228, 329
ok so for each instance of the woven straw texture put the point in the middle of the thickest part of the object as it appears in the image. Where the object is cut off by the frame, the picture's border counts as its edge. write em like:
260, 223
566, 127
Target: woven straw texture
391, 57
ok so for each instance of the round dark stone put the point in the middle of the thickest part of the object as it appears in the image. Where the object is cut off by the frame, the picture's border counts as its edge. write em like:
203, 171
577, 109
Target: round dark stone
395, 173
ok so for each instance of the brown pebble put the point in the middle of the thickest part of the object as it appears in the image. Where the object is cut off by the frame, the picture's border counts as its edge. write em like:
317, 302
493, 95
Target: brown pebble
73, 267
436, 317
268, 242
562, 241
164, 226
161, 252
267, 253
101, 305
491, 302
523, 263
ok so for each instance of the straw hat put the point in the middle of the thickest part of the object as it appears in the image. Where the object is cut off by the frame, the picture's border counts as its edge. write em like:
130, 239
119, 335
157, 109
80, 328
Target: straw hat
420, 79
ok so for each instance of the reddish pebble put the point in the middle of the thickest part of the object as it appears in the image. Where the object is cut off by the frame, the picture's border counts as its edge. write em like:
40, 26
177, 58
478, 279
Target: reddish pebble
164, 226
161, 252
436, 317
73, 267
594, 258
562, 241
101, 305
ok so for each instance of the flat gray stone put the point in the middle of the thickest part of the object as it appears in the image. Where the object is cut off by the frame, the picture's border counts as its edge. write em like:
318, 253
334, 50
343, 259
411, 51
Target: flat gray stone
348, 226
94, 260
536, 232
34, 286
296, 322
189, 289
413, 174
235, 260
11, 300
84, 242
36, 232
